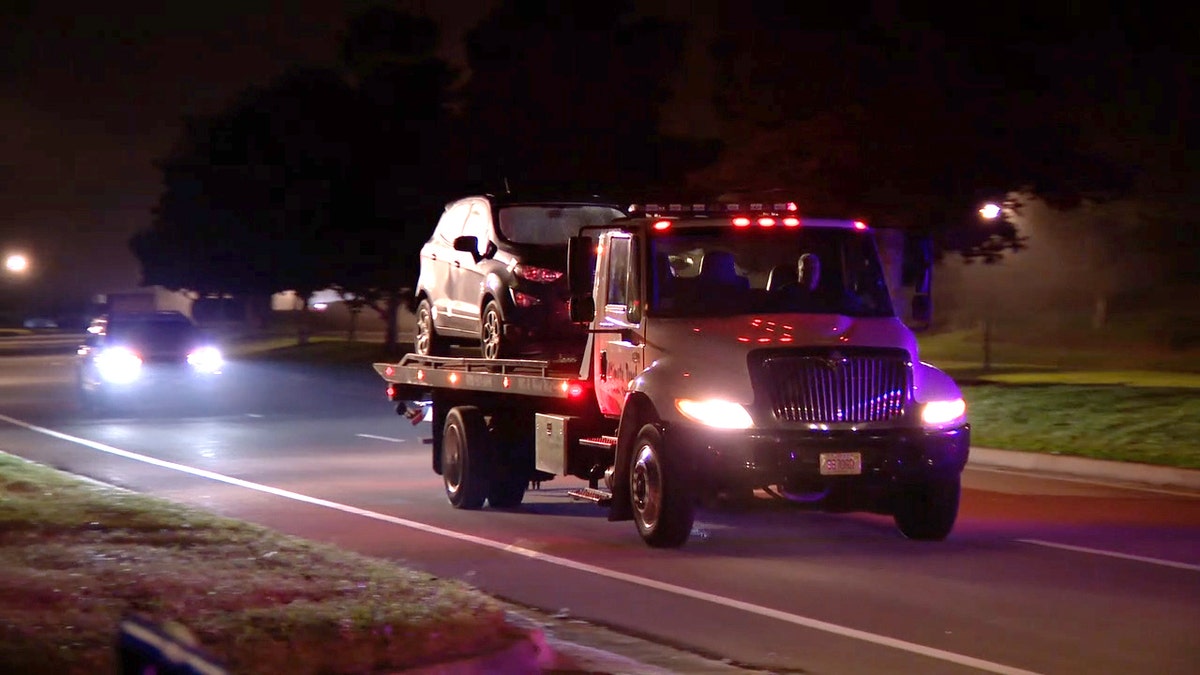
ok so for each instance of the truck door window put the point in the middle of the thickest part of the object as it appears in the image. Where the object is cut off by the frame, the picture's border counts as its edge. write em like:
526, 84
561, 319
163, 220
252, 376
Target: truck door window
618, 271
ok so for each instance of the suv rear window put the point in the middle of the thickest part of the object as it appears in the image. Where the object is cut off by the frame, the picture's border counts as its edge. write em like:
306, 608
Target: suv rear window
551, 224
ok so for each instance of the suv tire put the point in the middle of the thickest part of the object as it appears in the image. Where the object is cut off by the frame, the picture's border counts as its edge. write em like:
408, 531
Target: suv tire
427, 342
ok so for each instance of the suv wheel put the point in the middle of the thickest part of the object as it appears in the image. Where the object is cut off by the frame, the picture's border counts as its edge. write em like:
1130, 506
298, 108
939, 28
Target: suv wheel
427, 342
491, 333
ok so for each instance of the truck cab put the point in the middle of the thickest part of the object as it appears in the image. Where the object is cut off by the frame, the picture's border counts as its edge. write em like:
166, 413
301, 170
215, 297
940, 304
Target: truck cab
747, 349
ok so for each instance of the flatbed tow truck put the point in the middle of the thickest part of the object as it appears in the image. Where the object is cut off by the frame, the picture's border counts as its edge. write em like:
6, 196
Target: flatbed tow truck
733, 350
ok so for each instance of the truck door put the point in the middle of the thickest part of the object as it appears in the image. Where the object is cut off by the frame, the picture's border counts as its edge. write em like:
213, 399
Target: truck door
617, 358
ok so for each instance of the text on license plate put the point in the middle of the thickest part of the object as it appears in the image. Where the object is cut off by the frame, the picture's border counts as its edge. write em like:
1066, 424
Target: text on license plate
841, 463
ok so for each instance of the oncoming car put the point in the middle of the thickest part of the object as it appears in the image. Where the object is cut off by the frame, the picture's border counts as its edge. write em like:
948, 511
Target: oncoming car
143, 354
493, 276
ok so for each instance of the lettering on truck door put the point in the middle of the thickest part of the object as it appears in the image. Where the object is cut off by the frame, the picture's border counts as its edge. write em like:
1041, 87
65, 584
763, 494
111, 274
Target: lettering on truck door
618, 357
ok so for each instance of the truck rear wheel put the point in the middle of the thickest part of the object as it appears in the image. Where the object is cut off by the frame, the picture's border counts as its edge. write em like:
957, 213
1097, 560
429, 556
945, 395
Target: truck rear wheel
662, 506
465, 450
926, 511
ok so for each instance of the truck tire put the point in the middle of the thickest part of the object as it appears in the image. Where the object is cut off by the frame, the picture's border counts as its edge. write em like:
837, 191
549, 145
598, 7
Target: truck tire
661, 502
926, 511
426, 341
491, 332
512, 461
465, 455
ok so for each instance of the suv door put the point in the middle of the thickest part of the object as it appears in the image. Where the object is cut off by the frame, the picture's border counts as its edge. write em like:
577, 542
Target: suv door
469, 276
438, 258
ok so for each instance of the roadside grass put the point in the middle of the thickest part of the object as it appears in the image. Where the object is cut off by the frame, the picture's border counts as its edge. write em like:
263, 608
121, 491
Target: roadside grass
77, 556
1131, 404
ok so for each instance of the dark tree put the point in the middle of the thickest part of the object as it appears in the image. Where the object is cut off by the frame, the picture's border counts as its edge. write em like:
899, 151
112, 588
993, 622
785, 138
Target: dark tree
251, 193
569, 96
405, 169
912, 122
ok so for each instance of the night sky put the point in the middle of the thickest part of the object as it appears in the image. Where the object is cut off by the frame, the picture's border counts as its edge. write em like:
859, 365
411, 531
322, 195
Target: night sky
92, 93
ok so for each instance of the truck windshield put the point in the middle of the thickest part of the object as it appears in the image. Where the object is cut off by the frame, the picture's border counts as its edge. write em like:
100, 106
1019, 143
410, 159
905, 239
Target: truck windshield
551, 224
716, 271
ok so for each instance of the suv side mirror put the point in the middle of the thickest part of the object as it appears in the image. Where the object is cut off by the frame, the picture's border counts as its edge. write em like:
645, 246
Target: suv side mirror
469, 243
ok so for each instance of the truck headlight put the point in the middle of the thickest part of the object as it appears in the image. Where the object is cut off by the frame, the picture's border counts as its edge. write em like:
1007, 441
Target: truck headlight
715, 413
206, 360
941, 414
118, 365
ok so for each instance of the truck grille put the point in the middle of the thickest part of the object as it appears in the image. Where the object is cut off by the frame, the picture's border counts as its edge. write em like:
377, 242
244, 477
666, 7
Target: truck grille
832, 385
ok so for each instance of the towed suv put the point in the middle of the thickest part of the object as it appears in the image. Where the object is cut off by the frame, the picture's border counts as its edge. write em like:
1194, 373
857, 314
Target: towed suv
493, 275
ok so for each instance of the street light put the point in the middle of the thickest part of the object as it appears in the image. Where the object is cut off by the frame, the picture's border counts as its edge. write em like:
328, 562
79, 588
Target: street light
16, 263
990, 211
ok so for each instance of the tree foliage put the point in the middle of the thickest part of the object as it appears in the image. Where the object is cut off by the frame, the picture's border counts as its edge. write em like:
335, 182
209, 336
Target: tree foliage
570, 96
898, 120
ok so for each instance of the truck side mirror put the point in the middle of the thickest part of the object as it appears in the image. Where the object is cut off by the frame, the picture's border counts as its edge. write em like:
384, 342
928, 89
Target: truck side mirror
583, 308
580, 264
922, 312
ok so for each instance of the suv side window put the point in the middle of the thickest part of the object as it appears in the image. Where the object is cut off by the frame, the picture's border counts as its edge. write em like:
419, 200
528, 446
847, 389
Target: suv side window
479, 225
450, 225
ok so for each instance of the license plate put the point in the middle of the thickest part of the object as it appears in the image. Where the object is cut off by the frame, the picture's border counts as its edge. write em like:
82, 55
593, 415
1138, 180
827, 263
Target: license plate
841, 463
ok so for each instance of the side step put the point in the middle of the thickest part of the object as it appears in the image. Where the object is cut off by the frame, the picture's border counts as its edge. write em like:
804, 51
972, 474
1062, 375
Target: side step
602, 442
601, 497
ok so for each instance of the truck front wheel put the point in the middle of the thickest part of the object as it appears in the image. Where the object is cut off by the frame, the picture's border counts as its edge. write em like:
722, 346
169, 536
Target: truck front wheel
927, 510
662, 507
464, 457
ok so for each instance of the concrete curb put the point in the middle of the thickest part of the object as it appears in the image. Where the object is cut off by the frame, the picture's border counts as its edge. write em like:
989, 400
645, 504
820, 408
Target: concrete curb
531, 655
1084, 467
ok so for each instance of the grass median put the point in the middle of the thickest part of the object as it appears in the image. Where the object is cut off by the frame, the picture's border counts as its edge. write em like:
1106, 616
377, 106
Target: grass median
76, 557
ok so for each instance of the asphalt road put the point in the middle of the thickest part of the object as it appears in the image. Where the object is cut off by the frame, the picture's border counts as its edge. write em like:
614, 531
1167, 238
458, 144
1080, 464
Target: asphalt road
1041, 575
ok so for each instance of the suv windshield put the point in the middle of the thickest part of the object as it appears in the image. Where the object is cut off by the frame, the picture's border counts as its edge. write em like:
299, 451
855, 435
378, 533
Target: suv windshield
714, 271
551, 224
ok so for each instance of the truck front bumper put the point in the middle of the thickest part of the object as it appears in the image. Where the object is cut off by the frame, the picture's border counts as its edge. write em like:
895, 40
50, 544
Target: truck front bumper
759, 458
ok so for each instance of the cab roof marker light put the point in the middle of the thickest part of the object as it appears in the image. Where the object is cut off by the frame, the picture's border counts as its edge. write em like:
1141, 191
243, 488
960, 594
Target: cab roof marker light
741, 221
860, 225
662, 225
791, 221
766, 221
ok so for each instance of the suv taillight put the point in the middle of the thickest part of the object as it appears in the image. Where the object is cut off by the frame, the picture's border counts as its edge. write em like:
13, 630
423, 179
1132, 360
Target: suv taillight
540, 275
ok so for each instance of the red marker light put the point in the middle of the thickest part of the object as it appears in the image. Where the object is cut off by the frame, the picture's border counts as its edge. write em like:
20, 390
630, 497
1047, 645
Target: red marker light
575, 390
391, 392
420, 375
766, 222
741, 221
791, 221
388, 371
506, 382
860, 225
791, 206
662, 225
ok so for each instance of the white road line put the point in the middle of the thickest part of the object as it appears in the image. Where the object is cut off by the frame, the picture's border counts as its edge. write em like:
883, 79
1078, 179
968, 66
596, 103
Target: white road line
389, 439
1113, 554
804, 621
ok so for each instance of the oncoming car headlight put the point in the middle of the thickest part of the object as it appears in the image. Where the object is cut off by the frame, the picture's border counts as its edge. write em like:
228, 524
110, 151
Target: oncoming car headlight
118, 365
206, 360
941, 414
715, 413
